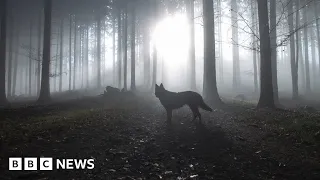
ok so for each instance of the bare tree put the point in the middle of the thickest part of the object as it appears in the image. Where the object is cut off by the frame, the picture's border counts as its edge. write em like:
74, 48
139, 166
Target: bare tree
119, 47
316, 14
273, 43
10, 59
125, 47
39, 52
254, 46
75, 52
70, 51
210, 90
133, 49
235, 47
98, 50
61, 54
3, 38
45, 85
30, 58
192, 57
306, 51
266, 89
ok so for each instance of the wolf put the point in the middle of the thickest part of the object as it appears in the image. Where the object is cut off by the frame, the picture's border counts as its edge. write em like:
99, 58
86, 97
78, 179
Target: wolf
174, 100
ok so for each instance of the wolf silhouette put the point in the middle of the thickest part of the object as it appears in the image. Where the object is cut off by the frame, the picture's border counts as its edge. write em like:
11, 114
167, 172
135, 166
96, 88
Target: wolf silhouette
174, 100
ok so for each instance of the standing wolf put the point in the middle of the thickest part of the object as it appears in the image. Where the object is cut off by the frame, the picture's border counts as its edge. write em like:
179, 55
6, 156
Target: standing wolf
173, 100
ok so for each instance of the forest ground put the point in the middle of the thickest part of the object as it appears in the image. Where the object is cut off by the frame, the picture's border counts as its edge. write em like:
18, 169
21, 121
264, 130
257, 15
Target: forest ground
129, 138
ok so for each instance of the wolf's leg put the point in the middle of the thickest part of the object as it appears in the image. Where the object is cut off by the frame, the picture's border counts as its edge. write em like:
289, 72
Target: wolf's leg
169, 115
198, 113
194, 110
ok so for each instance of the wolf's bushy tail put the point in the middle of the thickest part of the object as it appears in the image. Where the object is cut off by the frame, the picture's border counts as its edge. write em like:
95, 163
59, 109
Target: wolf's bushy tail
204, 106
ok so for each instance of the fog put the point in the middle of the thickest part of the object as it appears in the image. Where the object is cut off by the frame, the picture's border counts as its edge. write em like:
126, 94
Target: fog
169, 33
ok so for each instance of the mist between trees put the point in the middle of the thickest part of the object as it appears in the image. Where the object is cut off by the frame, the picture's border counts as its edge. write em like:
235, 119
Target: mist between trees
262, 48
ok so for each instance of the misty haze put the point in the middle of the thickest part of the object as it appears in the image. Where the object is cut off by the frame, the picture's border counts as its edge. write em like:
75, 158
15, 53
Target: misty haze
161, 89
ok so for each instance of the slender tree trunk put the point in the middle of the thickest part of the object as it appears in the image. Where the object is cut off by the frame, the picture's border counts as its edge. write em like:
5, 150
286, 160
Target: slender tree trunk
56, 64
303, 69
26, 75
125, 48
16, 64
39, 53
87, 56
220, 44
294, 66
3, 35
266, 89
75, 53
192, 57
313, 57
99, 51
119, 49
114, 50
12, 28
82, 56
146, 48
316, 14
155, 53
306, 51
254, 47
273, 43
30, 59
235, 47
210, 90
61, 55
133, 49
45, 85
70, 51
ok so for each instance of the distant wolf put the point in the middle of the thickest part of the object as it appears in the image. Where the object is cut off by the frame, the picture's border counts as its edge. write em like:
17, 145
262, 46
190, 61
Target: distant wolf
172, 100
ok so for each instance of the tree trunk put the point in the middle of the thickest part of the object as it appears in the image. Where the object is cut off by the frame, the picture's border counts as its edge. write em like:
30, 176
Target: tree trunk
192, 57
155, 53
16, 64
146, 48
306, 51
273, 43
39, 53
235, 47
61, 56
266, 87
45, 85
3, 35
210, 90
82, 56
318, 30
313, 57
220, 44
133, 49
30, 59
114, 50
119, 49
56, 64
294, 63
87, 56
98, 50
70, 52
125, 48
10, 61
75, 53
254, 47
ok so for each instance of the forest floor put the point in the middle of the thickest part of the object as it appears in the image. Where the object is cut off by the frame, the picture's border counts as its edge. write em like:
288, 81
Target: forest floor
129, 138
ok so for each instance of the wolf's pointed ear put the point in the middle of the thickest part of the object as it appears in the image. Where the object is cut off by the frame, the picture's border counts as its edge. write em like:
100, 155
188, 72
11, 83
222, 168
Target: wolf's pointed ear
161, 85
157, 86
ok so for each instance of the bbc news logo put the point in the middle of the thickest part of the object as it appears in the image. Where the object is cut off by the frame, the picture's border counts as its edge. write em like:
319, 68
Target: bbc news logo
46, 164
